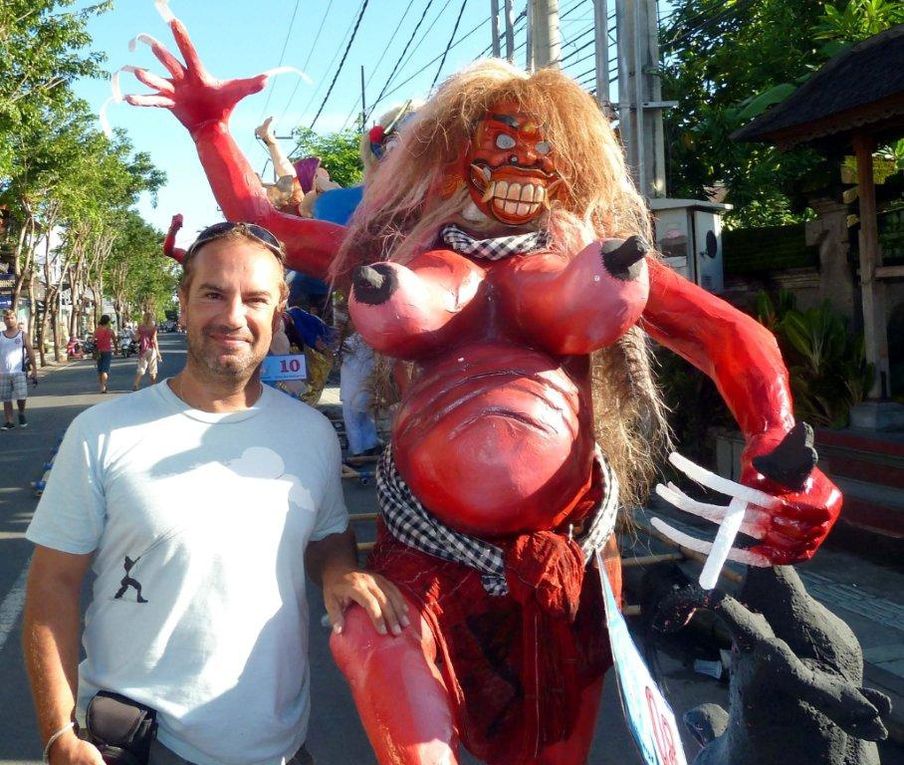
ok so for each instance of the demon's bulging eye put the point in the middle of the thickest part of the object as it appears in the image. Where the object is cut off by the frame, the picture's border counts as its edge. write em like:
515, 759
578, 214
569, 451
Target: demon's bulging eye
543, 148
504, 141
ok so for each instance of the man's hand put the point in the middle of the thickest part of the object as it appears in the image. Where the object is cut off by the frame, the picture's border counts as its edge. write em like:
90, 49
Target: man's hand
69, 749
379, 597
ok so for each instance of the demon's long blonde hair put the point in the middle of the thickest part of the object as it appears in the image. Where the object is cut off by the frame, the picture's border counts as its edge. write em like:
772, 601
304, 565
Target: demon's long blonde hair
416, 190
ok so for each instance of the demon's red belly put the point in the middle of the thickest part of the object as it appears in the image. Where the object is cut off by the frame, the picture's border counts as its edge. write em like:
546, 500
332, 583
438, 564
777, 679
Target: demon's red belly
495, 439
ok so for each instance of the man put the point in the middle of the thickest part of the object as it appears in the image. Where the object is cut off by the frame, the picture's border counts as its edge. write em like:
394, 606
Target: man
14, 347
194, 500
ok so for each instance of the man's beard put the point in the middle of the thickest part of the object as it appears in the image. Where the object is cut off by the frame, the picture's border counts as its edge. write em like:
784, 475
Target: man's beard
235, 367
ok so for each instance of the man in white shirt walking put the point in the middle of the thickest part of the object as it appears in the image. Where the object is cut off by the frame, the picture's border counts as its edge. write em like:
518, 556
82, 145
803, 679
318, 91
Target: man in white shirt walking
15, 347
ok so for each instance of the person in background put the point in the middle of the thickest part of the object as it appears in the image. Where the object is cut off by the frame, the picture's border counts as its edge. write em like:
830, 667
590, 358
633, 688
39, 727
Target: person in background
354, 390
103, 344
15, 348
148, 352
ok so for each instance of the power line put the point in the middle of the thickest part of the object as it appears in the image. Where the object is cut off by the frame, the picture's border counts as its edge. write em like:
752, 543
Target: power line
449, 44
433, 60
399, 60
520, 17
344, 55
305, 65
376, 66
425, 34
282, 57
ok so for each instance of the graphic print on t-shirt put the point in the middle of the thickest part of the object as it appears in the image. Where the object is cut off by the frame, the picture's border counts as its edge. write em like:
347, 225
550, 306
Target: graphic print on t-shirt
222, 507
128, 581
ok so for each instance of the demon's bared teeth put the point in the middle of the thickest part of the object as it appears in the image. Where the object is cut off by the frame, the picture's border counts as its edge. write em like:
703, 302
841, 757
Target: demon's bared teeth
527, 192
514, 192
501, 189
511, 208
523, 209
488, 193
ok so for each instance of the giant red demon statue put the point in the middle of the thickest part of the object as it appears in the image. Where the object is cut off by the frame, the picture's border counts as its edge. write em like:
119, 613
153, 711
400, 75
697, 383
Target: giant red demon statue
515, 278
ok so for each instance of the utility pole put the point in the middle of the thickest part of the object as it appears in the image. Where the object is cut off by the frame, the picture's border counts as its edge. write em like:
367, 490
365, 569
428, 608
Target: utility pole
543, 27
640, 94
510, 30
601, 43
363, 103
494, 26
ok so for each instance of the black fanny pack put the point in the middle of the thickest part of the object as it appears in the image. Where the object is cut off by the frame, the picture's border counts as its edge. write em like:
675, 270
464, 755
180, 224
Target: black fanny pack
122, 729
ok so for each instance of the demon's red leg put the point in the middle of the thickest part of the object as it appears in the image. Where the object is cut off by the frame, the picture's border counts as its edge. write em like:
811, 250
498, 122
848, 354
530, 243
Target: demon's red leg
400, 695
576, 749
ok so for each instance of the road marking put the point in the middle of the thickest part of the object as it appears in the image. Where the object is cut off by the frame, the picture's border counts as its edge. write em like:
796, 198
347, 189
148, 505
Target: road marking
11, 607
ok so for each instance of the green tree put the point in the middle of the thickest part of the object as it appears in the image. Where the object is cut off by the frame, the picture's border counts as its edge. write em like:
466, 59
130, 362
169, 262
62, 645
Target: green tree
726, 62
339, 153
136, 274
43, 48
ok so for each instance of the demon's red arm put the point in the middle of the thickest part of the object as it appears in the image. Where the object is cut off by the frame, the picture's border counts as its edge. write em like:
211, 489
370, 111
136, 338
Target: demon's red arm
743, 359
203, 104
169, 242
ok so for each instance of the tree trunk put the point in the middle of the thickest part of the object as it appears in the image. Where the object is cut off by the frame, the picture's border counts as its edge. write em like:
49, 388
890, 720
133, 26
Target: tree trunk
42, 326
54, 324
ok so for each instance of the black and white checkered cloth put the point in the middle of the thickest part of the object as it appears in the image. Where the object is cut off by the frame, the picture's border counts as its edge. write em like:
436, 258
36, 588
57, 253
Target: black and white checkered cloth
493, 249
412, 524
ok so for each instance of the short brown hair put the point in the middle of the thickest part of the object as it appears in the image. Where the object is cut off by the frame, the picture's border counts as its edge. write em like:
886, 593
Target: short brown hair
250, 232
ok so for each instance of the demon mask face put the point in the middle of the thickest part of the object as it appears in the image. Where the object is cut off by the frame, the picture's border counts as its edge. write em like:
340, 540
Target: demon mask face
510, 169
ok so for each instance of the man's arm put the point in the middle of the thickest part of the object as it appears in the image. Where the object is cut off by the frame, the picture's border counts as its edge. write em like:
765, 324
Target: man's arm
332, 562
50, 647
31, 356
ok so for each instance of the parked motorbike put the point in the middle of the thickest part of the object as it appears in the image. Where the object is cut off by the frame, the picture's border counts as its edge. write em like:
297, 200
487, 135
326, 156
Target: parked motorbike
127, 346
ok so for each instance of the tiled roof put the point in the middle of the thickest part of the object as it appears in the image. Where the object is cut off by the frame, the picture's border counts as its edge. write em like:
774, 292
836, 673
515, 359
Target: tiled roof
861, 87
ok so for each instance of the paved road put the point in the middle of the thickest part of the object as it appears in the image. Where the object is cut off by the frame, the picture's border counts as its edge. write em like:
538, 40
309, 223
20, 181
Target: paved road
336, 736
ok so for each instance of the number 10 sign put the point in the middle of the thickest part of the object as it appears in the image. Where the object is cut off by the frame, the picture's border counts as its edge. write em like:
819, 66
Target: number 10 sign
279, 368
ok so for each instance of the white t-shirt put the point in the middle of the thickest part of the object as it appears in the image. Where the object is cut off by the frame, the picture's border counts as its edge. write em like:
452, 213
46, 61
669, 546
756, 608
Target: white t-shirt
200, 522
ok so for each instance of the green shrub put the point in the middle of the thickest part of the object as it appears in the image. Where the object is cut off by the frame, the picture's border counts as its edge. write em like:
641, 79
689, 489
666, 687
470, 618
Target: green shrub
827, 363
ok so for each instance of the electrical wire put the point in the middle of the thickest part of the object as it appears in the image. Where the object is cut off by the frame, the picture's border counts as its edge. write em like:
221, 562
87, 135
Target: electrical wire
449, 44
399, 60
342, 62
519, 18
435, 59
425, 34
304, 66
376, 66
282, 57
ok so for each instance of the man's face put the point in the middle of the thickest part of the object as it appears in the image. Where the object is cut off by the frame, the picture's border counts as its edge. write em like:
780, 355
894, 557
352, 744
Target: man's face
10, 320
230, 307
510, 169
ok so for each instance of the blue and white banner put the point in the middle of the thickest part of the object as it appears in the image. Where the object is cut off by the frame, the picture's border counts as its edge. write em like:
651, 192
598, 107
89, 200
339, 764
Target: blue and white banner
647, 713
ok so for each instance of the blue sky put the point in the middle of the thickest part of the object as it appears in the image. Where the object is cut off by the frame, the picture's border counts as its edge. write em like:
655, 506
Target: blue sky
237, 38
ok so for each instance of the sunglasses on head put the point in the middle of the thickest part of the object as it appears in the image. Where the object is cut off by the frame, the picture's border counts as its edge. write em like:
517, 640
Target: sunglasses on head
252, 230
